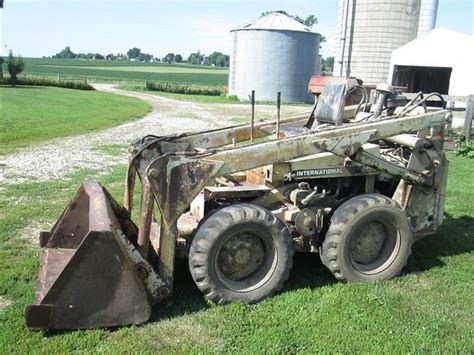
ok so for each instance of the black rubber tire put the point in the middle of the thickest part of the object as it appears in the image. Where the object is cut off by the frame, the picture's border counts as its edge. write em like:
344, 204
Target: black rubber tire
348, 219
226, 223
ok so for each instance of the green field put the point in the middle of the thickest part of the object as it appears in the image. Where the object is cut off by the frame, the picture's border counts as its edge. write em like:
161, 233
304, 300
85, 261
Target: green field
127, 70
430, 308
34, 114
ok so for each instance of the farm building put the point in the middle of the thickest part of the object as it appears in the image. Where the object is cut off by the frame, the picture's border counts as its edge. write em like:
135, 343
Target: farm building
369, 30
440, 61
271, 54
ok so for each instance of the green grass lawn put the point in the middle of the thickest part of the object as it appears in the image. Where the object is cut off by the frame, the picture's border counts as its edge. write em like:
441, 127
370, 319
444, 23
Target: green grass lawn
33, 114
430, 307
126, 70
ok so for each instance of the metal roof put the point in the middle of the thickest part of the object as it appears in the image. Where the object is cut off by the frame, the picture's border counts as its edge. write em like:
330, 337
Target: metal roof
276, 21
455, 45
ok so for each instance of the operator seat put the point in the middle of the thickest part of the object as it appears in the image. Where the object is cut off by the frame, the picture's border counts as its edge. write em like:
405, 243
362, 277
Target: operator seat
329, 109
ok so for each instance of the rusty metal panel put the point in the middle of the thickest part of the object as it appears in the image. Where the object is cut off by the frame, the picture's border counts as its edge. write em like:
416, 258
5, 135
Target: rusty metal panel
317, 83
175, 182
255, 176
91, 275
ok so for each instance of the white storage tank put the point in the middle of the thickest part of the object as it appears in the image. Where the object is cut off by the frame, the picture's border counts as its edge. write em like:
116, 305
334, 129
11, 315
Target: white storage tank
271, 54
428, 14
369, 30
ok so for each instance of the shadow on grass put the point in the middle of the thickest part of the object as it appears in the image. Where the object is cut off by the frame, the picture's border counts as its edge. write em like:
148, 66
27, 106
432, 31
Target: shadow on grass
455, 237
19, 86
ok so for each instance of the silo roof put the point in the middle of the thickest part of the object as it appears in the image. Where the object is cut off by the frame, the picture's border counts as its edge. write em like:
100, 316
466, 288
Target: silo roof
277, 21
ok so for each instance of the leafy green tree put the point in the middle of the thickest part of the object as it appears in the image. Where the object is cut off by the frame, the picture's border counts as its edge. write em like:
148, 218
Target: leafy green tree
327, 65
15, 65
133, 53
178, 58
144, 57
309, 21
66, 53
196, 58
169, 58
222, 61
218, 59
213, 57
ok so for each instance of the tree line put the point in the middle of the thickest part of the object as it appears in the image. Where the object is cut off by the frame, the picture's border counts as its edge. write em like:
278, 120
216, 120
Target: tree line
217, 59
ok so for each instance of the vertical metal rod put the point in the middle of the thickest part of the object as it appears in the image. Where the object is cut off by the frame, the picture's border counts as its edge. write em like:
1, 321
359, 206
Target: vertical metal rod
129, 187
343, 37
278, 114
469, 117
450, 106
167, 251
146, 216
437, 137
252, 102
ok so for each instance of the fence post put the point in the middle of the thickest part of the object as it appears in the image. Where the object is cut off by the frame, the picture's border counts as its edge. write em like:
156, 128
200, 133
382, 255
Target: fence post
59, 77
450, 106
468, 118
278, 115
252, 101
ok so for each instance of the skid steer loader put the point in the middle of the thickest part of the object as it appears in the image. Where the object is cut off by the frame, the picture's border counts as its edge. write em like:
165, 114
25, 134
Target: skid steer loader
356, 185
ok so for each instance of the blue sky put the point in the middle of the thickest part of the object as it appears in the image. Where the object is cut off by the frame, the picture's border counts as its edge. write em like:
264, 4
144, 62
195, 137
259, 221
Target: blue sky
35, 28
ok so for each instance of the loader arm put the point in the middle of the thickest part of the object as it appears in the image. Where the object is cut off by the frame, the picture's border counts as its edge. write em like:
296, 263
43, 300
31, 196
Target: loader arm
175, 178
97, 268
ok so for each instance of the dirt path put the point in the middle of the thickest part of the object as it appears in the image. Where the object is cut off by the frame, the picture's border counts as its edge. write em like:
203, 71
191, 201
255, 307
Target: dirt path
62, 156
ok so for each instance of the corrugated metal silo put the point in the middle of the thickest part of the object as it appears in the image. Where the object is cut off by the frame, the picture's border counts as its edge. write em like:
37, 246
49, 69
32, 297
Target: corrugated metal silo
274, 53
368, 32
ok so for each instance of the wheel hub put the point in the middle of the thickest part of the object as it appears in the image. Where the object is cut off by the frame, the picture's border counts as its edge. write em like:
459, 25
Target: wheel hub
240, 256
366, 246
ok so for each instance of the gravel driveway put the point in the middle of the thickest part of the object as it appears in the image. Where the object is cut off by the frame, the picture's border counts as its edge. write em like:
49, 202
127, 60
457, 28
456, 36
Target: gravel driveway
62, 156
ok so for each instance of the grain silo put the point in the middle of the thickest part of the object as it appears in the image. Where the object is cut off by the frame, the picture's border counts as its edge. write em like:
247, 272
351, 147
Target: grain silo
273, 53
427, 19
369, 30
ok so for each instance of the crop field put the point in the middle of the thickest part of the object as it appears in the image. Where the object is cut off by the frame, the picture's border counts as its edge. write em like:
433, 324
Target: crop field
126, 70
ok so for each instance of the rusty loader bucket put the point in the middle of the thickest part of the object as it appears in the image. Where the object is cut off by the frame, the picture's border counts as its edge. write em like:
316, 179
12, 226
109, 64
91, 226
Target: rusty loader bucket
91, 273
